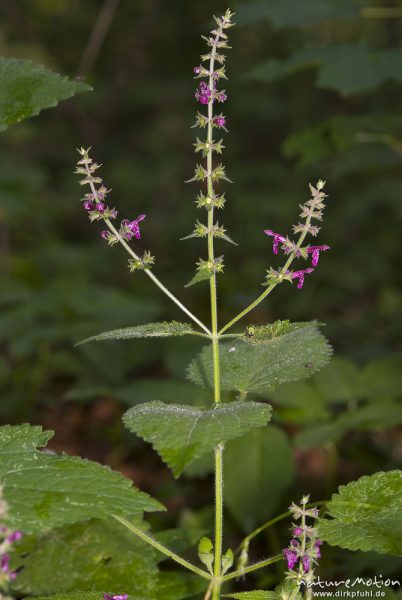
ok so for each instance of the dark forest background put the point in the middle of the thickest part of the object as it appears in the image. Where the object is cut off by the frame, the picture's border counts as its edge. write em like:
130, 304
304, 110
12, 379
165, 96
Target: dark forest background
314, 92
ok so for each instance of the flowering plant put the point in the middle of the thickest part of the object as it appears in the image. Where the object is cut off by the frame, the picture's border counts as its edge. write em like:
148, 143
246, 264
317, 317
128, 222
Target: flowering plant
94, 514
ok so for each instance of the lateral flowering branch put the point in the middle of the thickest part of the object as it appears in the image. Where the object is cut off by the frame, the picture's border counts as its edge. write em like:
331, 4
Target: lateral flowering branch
208, 94
303, 551
310, 210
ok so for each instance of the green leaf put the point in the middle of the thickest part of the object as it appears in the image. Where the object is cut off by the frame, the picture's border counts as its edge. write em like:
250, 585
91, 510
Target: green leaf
381, 378
45, 490
346, 68
28, 88
300, 402
198, 277
180, 433
261, 367
178, 586
287, 13
163, 329
371, 417
205, 553
92, 556
263, 478
366, 514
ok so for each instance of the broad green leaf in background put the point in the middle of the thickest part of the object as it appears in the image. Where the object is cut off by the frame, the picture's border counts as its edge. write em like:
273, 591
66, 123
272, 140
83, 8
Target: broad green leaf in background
265, 460
27, 88
371, 417
366, 514
299, 402
180, 433
255, 595
381, 378
287, 13
262, 367
178, 586
92, 556
346, 68
149, 330
45, 490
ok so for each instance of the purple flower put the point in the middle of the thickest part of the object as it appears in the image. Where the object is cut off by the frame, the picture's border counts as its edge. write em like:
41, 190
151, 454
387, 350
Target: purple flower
118, 597
105, 234
291, 558
219, 121
294, 542
197, 70
100, 207
132, 228
297, 531
317, 548
15, 536
5, 563
315, 251
203, 94
306, 563
300, 276
222, 97
88, 205
277, 238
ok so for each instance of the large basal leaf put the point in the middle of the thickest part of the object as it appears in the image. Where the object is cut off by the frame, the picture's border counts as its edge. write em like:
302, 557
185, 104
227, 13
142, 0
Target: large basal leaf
287, 13
149, 330
97, 555
366, 514
262, 367
264, 459
28, 88
45, 490
180, 433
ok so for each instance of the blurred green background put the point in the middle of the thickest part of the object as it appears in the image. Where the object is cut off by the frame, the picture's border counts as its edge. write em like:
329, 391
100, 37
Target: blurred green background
314, 92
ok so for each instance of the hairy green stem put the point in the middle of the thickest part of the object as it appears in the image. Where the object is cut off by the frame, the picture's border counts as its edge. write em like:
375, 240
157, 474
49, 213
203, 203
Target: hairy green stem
150, 540
281, 517
251, 568
269, 289
215, 340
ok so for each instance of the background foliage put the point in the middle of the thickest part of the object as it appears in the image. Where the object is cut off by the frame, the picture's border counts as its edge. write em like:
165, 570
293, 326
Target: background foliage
315, 91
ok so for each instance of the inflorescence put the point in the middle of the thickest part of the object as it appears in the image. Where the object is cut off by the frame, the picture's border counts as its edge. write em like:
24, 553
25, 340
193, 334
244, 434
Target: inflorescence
304, 548
310, 210
209, 93
94, 203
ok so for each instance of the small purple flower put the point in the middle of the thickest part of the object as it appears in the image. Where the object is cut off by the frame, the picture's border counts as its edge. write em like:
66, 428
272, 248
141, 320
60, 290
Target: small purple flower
105, 234
219, 121
317, 548
88, 205
222, 97
5, 563
203, 94
118, 597
100, 207
297, 531
306, 563
197, 70
277, 238
315, 251
15, 536
291, 558
134, 226
300, 276
294, 542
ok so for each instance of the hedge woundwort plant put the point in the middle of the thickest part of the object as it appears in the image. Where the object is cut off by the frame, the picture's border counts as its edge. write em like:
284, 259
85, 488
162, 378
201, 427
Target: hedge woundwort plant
210, 174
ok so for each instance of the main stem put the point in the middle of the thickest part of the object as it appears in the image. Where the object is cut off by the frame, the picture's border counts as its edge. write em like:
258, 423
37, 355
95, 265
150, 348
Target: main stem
215, 344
